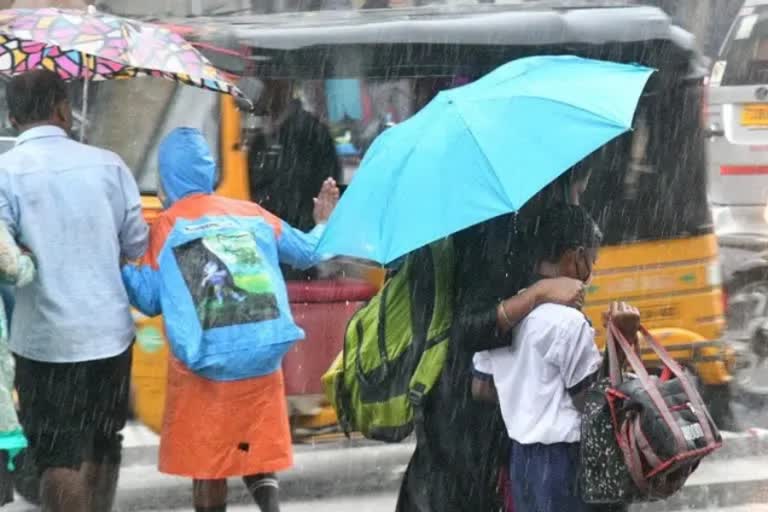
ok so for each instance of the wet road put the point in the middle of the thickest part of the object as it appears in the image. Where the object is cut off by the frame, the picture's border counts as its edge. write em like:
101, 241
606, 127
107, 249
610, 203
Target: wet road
368, 503
364, 477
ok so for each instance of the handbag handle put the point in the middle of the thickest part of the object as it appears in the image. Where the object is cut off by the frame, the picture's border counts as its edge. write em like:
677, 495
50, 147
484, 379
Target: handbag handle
614, 368
633, 359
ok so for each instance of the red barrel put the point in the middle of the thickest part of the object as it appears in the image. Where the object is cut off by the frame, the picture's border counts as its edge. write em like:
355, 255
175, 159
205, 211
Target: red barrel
322, 308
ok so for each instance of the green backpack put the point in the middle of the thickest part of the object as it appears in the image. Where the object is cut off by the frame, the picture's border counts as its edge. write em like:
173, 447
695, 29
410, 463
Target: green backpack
393, 352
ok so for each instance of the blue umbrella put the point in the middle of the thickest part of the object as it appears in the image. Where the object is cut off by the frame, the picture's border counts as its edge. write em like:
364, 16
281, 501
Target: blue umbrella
480, 151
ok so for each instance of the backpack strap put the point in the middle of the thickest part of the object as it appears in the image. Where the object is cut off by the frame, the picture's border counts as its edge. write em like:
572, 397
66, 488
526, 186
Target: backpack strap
342, 393
423, 303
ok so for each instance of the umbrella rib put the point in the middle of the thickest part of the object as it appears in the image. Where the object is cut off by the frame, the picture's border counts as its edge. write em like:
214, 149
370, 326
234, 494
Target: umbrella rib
609, 121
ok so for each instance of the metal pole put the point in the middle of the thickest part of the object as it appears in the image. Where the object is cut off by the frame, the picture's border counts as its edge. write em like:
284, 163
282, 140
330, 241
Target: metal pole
84, 107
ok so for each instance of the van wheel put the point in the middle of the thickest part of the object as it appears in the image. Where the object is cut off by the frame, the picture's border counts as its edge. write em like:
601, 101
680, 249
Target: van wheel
26, 481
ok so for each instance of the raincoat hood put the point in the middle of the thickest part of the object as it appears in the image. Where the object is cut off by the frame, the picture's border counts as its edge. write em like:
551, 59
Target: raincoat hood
187, 166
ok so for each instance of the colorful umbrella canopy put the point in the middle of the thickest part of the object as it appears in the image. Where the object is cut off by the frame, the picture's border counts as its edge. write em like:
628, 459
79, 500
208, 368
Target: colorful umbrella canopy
98, 46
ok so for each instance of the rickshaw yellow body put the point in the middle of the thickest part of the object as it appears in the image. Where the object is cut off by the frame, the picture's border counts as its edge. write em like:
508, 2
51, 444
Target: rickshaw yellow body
676, 286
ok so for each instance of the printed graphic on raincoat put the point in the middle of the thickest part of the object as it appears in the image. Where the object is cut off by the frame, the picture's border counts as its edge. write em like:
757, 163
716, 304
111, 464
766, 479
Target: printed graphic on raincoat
16, 269
213, 271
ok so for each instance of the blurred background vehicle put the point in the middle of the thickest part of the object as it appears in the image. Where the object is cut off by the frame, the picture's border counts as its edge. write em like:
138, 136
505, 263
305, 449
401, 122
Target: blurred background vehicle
357, 72
737, 129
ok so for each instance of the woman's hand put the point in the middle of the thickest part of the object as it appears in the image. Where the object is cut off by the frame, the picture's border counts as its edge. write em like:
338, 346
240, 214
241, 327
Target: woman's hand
560, 290
326, 201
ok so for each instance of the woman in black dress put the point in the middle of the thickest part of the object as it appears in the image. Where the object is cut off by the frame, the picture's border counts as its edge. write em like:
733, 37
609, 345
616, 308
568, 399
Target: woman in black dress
455, 467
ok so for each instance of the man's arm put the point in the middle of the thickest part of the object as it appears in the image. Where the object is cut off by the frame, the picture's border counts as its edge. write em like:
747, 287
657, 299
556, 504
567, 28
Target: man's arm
134, 232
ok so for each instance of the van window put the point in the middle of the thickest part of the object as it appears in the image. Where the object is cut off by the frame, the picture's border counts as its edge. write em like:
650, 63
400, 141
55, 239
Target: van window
746, 52
131, 117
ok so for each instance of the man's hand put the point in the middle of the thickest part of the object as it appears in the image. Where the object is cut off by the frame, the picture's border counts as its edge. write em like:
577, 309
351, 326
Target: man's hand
625, 317
560, 290
326, 201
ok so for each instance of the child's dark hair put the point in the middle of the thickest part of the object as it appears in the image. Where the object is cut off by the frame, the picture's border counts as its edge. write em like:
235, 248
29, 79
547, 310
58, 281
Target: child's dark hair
562, 227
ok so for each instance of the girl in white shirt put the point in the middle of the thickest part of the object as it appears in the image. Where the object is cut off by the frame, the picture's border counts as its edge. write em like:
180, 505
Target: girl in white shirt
539, 380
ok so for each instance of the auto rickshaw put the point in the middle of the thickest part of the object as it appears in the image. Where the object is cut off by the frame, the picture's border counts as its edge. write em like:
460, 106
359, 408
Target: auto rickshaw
356, 71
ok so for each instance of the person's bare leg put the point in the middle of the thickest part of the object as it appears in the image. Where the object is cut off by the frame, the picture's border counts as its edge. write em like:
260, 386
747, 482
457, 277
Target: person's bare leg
101, 480
63, 490
265, 490
210, 495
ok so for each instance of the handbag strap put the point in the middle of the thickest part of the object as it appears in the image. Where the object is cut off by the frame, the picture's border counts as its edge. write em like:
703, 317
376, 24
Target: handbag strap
614, 368
697, 405
633, 459
653, 392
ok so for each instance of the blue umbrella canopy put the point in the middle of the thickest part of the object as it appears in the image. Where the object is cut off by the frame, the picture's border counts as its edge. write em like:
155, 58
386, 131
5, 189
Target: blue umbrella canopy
480, 151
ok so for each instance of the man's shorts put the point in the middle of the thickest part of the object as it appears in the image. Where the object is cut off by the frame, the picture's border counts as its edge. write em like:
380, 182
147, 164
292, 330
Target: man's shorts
74, 412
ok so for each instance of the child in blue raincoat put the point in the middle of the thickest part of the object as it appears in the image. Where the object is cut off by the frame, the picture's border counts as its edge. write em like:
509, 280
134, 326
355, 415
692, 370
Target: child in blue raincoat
213, 271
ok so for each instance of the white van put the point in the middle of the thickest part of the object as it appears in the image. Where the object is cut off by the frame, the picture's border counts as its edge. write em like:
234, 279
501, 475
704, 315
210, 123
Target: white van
738, 125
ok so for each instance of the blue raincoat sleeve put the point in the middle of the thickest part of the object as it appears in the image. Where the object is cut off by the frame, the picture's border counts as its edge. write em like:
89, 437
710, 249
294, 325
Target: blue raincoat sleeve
297, 248
143, 281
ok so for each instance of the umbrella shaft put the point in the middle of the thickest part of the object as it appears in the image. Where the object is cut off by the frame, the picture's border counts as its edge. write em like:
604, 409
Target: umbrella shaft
84, 109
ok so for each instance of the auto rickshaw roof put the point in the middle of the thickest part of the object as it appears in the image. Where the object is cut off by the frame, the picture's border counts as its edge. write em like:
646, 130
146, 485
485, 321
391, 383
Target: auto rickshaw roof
529, 23
314, 44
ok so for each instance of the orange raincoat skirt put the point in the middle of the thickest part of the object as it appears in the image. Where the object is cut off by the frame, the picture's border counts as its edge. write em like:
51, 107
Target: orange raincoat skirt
214, 430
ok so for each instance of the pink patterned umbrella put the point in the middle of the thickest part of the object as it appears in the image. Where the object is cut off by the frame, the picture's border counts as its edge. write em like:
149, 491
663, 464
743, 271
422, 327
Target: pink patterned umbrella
99, 46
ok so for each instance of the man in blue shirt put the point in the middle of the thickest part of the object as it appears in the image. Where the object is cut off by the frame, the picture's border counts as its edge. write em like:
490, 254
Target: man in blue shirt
78, 210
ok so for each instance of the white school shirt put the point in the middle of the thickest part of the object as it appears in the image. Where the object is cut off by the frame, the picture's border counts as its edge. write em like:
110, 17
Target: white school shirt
553, 350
